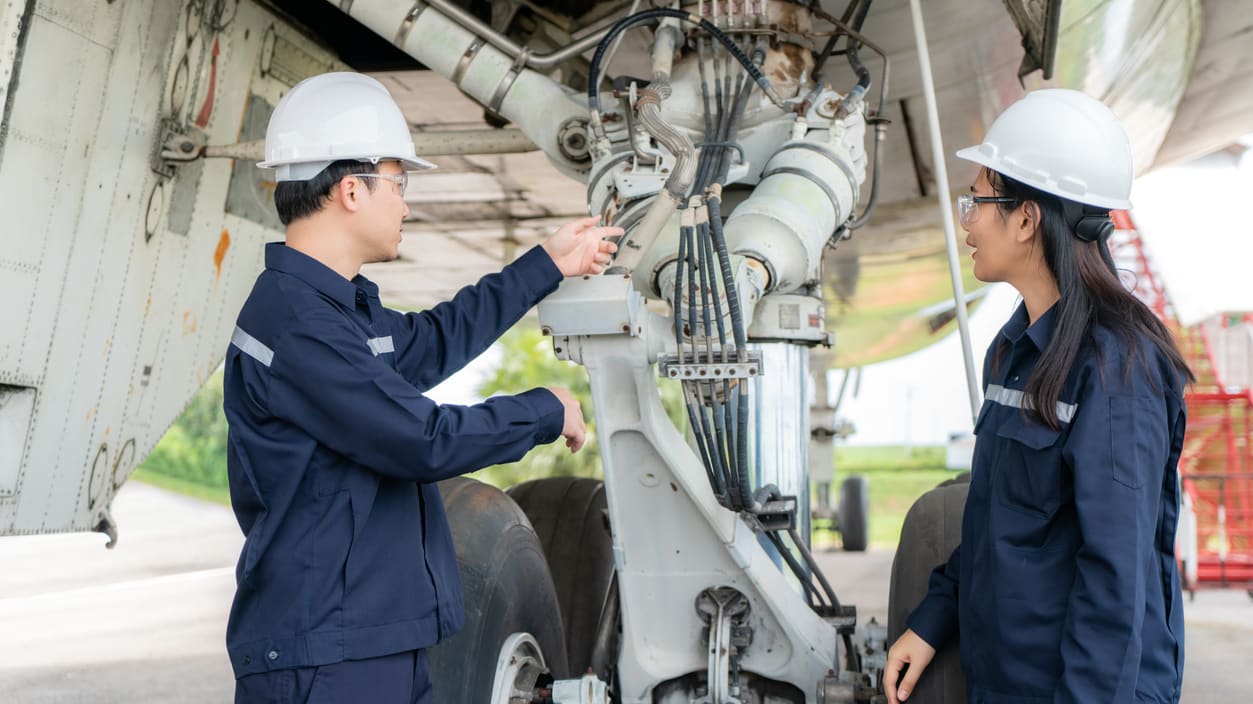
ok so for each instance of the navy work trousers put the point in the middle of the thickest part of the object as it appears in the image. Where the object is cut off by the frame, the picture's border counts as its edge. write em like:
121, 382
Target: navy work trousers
403, 678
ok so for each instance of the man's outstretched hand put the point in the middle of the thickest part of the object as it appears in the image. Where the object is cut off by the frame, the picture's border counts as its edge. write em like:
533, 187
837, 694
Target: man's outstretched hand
579, 247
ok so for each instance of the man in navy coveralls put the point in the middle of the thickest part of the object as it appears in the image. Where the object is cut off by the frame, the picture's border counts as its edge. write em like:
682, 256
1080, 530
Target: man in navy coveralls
348, 572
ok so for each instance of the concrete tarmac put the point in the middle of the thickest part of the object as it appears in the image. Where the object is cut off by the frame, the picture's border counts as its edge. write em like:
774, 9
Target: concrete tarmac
146, 622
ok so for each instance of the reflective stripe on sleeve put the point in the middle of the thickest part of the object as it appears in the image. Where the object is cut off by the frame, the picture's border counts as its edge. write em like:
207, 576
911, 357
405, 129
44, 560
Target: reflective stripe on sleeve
381, 345
251, 346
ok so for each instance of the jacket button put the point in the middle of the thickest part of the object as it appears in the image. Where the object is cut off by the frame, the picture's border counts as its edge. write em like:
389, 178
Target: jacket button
272, 655
247, 659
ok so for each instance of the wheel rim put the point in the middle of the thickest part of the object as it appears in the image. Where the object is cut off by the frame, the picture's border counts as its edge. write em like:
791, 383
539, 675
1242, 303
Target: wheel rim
518, 668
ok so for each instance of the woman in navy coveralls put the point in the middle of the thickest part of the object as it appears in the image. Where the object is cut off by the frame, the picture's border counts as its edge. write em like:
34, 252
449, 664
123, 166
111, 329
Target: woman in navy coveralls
1064, 587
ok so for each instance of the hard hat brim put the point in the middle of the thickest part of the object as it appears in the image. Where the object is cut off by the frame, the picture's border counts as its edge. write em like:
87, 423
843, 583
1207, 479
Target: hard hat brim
978, 155
408, 163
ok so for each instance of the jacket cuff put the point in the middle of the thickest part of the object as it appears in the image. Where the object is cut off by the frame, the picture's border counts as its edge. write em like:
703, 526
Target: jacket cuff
933, 621
550, 414
538, 272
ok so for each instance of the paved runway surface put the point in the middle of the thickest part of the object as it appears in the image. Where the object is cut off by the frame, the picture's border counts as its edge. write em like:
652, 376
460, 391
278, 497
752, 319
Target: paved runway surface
145, 622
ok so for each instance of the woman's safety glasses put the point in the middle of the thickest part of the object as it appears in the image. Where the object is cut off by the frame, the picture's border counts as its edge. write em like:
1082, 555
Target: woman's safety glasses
968, 206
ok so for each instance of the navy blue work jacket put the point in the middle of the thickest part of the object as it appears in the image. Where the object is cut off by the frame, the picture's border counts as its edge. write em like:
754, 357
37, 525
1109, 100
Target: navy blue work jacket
1065, 587
333, 453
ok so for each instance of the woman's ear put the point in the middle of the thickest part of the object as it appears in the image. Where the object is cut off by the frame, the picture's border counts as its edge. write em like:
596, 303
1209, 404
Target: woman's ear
1028, 220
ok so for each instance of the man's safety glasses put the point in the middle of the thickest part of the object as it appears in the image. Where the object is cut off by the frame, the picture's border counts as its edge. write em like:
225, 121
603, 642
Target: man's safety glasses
401, 180
968, 206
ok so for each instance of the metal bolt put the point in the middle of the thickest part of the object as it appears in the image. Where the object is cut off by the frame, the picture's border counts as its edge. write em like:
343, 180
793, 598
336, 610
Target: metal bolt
626, 329
545, 331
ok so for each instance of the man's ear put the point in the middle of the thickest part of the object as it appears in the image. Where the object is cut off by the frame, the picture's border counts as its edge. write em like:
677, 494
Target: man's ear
347, 193
1027, 221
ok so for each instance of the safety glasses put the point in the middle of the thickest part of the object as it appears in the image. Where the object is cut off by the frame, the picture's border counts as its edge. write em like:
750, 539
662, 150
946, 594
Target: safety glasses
401, 180
968, 206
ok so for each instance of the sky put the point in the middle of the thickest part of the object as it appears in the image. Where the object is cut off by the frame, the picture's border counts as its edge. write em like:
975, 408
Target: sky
1191, 218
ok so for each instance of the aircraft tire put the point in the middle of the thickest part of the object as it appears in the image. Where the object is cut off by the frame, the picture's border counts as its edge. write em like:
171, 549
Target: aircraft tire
854, 514
507, 587
569, 516
932, 529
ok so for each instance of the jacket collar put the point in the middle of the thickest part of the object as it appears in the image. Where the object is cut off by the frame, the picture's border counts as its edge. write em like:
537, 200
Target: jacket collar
1040, 333
280, 257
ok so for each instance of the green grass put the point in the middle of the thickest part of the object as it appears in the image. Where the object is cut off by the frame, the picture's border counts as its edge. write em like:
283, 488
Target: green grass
862, 459
897, 475
216, 494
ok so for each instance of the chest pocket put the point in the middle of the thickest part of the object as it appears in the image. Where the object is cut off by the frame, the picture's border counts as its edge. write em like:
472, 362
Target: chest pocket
1029, 476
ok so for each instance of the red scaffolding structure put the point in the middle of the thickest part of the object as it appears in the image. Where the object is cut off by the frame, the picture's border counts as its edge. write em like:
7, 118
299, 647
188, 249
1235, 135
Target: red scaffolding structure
1215, 538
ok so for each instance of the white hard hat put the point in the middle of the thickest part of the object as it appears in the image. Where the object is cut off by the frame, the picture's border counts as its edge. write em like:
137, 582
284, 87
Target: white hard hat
1062, 142
336, 116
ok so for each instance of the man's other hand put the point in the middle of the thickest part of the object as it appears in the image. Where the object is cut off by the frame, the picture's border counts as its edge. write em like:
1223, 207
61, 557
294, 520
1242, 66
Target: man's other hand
574, 430
579, 247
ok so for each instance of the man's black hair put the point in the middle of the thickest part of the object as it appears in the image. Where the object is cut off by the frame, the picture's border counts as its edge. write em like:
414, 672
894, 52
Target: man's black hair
298, 199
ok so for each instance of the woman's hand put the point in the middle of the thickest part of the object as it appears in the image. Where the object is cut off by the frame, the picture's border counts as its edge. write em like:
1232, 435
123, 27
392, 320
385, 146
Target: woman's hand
910, 649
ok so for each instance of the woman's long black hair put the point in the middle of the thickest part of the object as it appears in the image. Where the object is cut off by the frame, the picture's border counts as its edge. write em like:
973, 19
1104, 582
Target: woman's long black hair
1091, 294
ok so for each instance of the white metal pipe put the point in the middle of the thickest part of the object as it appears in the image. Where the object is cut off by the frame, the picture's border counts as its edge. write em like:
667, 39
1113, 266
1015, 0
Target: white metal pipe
944, 194
538, 105
507, 45
438, 143
809, 188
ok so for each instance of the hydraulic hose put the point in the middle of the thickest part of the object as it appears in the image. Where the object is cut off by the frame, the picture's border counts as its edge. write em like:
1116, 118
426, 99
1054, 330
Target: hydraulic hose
648, 109
714, 203
593, 80
879, 134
